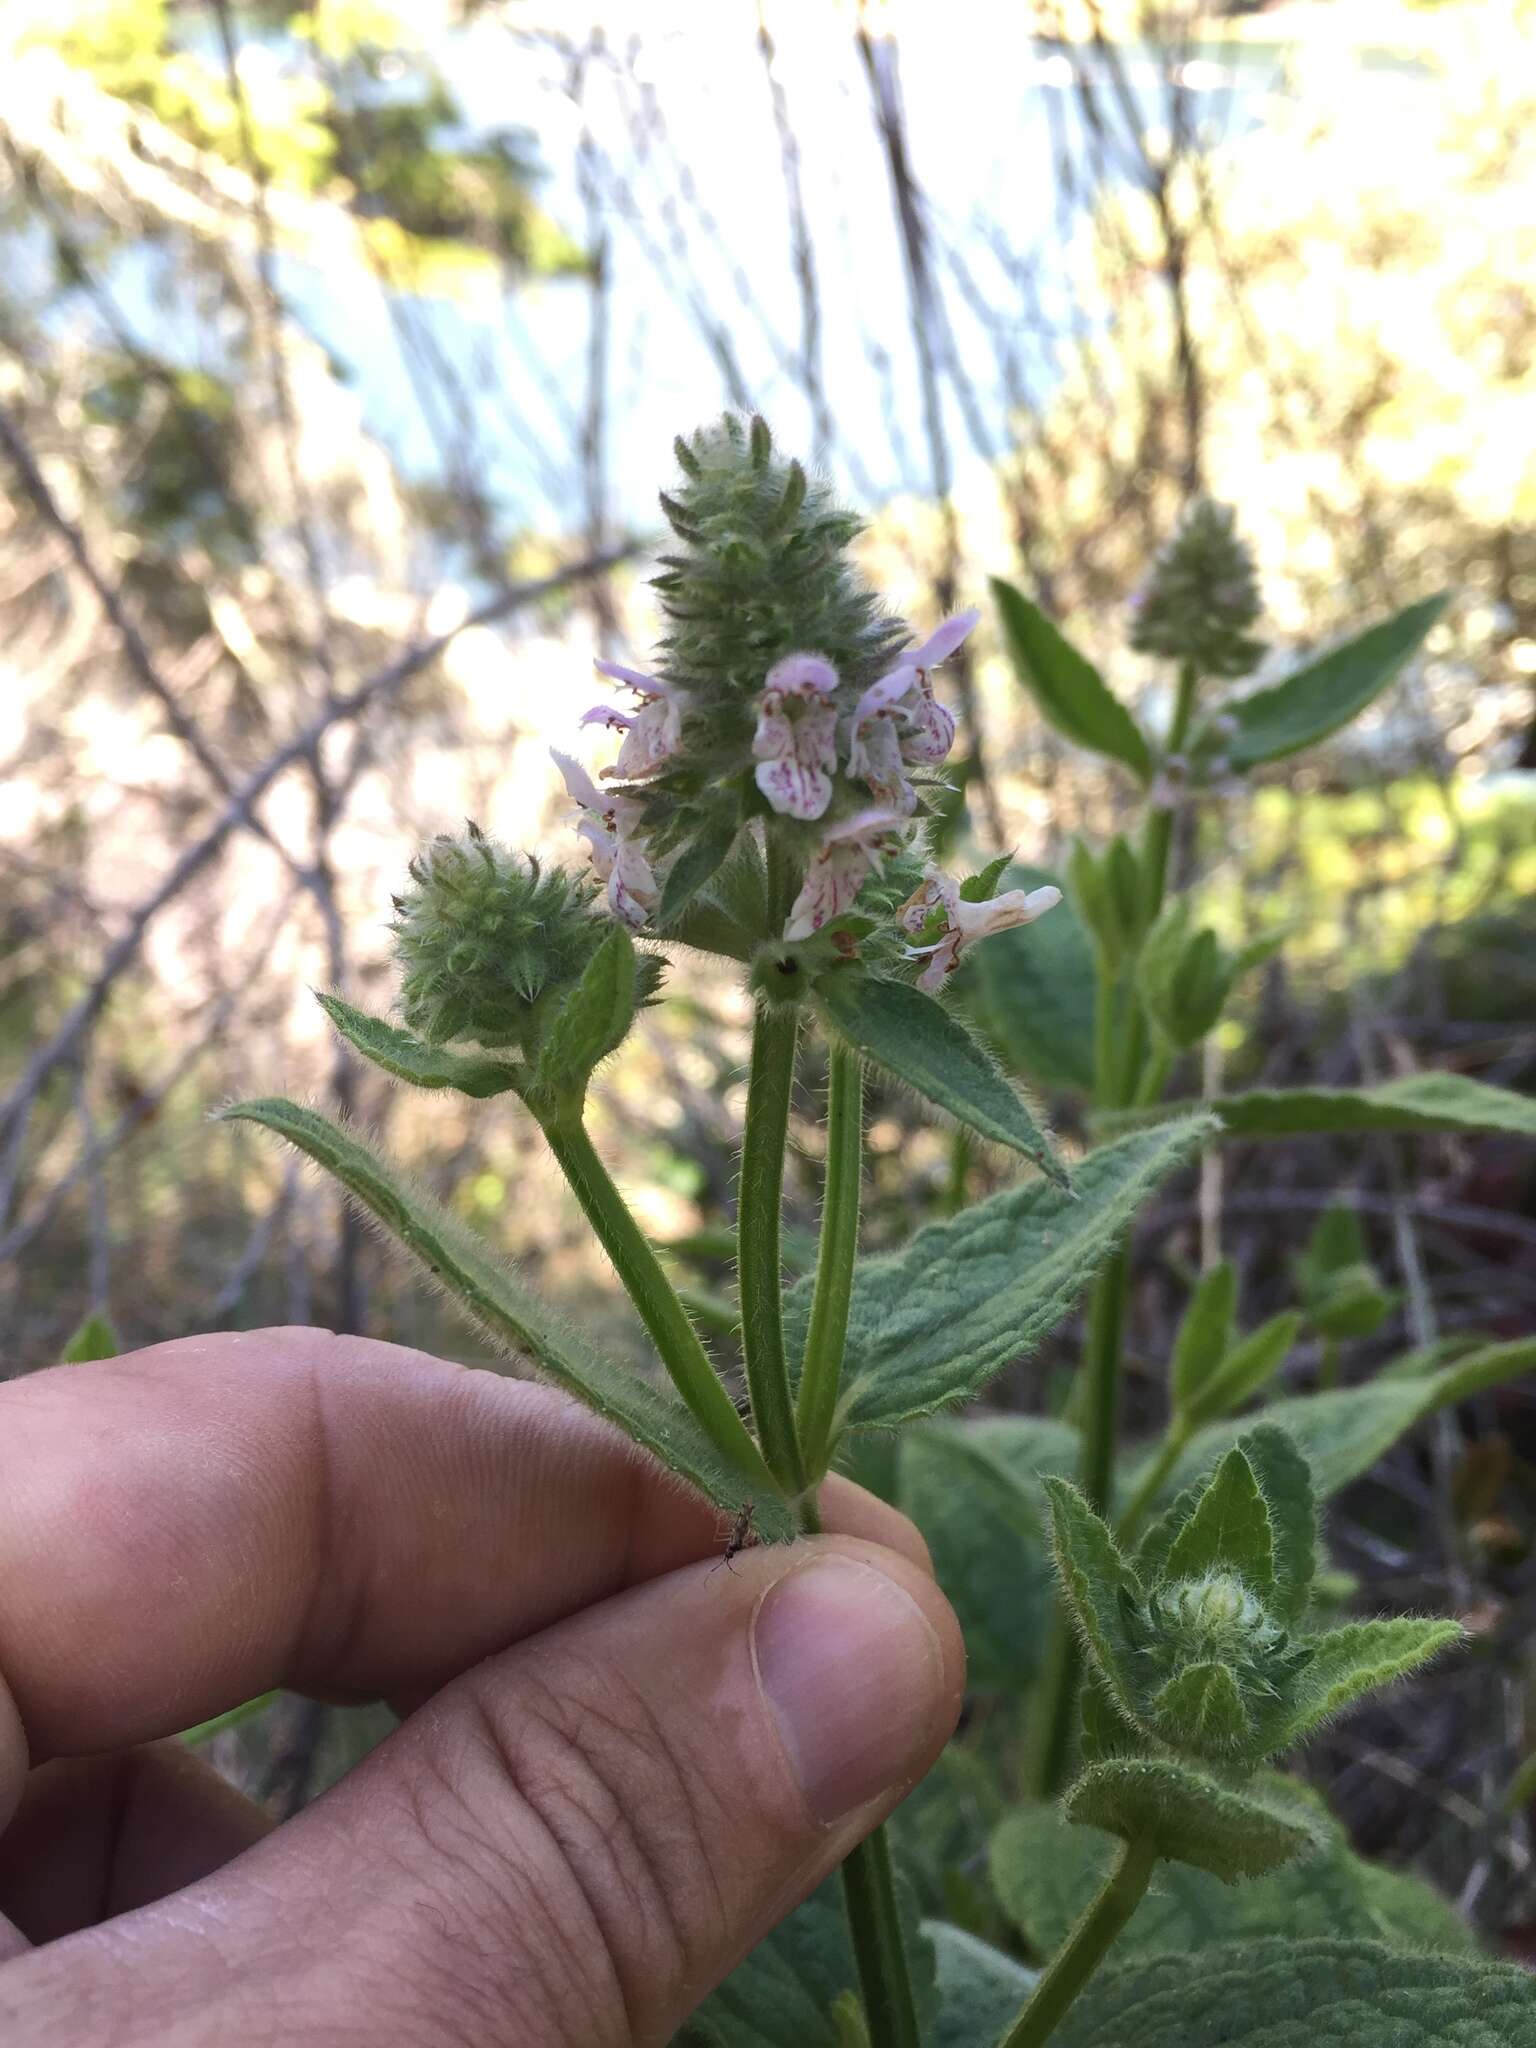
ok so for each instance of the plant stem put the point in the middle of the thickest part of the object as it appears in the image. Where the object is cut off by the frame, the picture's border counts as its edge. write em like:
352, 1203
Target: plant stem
1048, 1755
1328, 1365
1101, 1364
821, 1370
1129, 1526
960, 1150
636, 1263
1084, 1949
885, 1983
760, 1272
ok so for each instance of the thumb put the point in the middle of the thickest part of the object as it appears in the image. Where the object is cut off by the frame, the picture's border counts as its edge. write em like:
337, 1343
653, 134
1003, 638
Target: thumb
577, 1840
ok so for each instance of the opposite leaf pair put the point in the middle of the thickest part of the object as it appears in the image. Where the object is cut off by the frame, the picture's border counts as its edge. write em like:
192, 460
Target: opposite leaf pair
1201, 1666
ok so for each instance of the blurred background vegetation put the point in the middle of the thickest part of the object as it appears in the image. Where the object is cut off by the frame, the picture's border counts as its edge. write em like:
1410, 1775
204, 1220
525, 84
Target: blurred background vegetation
341, 350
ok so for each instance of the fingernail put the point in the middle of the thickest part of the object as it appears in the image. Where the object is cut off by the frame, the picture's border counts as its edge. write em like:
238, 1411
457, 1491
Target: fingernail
850, 1669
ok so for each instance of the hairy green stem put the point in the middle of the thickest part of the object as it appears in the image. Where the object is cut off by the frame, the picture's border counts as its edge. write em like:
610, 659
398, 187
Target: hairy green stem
1048, 1753
1085, 1948
760, 1271
960, 1152
821, 1371
636, 1263
885, 1982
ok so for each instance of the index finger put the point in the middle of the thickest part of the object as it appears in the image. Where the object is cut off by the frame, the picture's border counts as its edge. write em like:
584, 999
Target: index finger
187, 1526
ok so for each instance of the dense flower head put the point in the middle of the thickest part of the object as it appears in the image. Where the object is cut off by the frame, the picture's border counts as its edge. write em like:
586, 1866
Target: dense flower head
490, 942
1201, 597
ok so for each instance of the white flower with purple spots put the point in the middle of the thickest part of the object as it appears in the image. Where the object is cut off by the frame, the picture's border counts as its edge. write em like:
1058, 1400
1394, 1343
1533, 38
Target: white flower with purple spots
850, 852
965, 922
652, 733
611, 827
899, 723
795, 745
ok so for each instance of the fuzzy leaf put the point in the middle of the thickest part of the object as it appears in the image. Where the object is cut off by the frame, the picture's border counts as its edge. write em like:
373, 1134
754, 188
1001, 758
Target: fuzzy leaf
1305, 1994
1104, 1732
1205, 1334
1342, 1433
921, 1043
932, 1323
1415, 1103
1191, 1818
1097, 1581
982, 1514
1032, 992
1325, 695
1229, 1530
592, 1020
1249, 1366
406, 1057
94, 1339
495, 1298
1351, 1661
1201, 1709
1285, 1480
980, 1990
1069, 690
1046, 1872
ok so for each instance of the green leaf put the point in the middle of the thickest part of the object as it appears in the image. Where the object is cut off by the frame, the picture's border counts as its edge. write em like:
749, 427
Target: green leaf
1325, 695
980, 1990
495, 1299
1285, 1480
1246, 1368
783, 1994
1229, 1530
591, 1021
1351, 1661
1191, 1818
697, 864
1304, 1994
1201, 1709
973, 1490
1069, 690
1342, 1433
921, 1043
1032, 991
1097, 1582
1046, 1872
409, 1059
1205, 1335
930, 1324
1416, 1103
94, 1339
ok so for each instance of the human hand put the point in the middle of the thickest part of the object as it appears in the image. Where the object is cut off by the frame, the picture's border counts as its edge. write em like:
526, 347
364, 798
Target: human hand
619, 1766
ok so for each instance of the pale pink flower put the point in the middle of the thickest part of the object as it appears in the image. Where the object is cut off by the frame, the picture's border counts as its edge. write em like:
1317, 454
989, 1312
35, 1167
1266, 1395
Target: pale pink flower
651, 734
966, 922
850, 852
795, 745
612, 828
898, 721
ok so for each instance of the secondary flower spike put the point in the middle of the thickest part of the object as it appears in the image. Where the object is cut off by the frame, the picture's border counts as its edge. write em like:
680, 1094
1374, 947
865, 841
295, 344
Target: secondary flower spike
612, 828
965, 922
795, 745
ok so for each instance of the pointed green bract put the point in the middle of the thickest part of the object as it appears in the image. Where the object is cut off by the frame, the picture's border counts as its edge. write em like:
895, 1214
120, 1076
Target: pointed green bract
1191, 1818
1205, 1335
697, 863
1105, 1731
1097, 1582
1325, 695
921, 1043
1356, 1659
1245, 1369
408, 1058
931, 1324
1228, 1531
591, 1020
1201, 1709
1068, 689
95, 1339
497, 1301
1285, 1480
